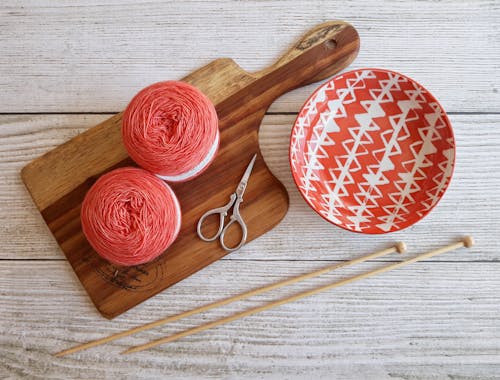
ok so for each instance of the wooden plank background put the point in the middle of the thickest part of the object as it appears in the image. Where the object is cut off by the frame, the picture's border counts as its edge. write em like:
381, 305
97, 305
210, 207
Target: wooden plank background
65, 65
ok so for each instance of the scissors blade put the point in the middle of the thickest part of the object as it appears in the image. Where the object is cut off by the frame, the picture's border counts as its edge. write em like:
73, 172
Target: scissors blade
244, 180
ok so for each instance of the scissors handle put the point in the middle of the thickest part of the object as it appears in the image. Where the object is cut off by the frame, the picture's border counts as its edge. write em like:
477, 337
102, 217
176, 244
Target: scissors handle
235, 218
222, 212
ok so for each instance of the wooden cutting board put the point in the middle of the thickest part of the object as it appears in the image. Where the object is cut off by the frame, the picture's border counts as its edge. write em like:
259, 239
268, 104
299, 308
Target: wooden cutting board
59, 179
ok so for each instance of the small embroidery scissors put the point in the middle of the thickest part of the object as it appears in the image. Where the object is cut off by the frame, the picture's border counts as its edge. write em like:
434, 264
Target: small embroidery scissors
235, 200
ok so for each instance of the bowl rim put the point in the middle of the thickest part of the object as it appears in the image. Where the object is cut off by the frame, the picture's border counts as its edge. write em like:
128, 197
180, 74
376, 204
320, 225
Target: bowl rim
445, 117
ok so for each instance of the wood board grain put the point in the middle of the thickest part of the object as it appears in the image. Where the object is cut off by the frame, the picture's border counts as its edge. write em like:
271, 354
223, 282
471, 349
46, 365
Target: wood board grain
59, 180
92, 56
475, 185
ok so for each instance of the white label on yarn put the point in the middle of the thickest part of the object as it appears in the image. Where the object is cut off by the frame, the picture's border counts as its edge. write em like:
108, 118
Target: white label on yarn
198, 168
178, 211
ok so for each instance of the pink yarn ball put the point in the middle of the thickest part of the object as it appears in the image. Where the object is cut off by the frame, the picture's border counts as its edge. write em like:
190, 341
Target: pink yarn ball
171, 129
129, 216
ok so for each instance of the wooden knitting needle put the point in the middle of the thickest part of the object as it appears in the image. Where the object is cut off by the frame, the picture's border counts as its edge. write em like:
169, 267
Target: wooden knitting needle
467, 242
399, 247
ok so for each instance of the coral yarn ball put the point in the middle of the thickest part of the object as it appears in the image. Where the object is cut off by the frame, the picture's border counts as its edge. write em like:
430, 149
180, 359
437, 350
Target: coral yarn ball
171, 129
129, 216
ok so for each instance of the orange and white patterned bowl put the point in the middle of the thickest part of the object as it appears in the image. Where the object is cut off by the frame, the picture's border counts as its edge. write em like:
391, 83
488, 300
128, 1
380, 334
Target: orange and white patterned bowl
372, 151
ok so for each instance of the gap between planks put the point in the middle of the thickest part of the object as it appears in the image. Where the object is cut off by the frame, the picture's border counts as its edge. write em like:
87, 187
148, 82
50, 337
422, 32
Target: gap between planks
492, 261
291, 113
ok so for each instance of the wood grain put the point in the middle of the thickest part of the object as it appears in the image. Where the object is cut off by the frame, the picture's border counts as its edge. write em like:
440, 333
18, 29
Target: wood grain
59, 180
435, 321
400, 248
429, 320
474, 186
79, 56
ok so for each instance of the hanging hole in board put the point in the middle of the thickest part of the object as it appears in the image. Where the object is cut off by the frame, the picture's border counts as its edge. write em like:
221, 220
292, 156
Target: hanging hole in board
330, 44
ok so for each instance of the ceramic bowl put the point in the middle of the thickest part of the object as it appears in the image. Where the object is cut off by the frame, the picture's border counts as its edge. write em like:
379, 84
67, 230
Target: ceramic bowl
372, 151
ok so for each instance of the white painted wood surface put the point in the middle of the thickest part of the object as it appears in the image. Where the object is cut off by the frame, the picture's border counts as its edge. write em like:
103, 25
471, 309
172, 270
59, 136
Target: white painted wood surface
437, 319
70, 56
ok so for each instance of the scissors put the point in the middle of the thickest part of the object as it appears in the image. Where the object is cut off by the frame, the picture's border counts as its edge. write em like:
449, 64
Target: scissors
235, 200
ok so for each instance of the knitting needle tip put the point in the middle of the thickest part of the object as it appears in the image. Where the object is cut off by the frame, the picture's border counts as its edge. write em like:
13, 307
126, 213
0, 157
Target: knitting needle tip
128, 351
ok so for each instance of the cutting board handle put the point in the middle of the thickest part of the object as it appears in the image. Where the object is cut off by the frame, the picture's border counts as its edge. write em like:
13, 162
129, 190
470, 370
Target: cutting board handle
322, 52
59, 180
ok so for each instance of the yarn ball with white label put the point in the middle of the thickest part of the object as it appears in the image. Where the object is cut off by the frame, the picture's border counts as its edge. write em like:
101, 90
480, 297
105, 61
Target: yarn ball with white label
129, 216
171, 129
